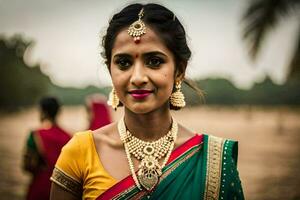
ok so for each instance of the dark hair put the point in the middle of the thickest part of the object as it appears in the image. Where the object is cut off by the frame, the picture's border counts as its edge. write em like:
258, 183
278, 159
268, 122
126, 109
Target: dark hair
163, 21
49, 107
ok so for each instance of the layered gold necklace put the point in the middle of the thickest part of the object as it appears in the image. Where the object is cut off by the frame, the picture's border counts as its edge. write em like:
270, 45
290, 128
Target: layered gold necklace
148, 153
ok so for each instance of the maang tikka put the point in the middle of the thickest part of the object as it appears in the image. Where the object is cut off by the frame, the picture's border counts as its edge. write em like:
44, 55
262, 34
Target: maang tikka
137, 28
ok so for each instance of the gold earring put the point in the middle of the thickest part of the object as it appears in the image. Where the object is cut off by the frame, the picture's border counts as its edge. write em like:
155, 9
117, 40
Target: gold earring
177, 97
113, 99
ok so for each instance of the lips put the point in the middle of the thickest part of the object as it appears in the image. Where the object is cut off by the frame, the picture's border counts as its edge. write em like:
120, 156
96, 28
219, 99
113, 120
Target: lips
140, 93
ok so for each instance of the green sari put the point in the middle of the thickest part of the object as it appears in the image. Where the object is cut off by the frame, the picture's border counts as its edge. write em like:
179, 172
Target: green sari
205, 167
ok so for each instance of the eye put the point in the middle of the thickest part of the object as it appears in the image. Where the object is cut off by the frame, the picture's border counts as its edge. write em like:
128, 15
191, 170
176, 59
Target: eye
123, 63
154, 61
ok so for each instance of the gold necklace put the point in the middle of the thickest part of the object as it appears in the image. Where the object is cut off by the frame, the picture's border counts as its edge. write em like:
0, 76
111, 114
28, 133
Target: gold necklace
148, 153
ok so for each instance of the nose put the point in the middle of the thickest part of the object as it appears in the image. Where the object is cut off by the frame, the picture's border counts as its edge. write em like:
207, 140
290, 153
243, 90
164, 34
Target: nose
139, 76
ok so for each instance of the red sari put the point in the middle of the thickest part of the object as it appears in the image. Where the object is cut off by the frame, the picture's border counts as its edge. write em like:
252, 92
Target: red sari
48, 145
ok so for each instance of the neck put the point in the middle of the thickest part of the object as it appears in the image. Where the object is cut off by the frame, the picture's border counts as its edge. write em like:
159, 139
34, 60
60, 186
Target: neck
150, 126
46, 123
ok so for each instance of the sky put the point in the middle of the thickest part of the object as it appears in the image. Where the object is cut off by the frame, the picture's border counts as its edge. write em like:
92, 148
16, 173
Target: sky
67, 35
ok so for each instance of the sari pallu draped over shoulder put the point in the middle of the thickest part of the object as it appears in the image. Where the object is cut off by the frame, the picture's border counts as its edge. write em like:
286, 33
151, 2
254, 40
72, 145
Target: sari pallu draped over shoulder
204, 167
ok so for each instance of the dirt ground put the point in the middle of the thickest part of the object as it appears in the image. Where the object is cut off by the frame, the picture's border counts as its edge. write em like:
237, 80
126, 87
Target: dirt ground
269, 150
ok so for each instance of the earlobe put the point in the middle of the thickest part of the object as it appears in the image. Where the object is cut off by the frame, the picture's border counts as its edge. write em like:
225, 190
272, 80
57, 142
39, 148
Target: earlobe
180, 71
179, 76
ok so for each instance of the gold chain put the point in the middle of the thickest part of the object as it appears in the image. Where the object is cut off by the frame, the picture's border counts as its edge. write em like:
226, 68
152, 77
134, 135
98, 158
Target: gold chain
149, 153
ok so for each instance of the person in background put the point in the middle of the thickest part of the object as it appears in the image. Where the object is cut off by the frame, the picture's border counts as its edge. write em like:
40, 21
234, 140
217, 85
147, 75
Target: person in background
42, 149
98, 111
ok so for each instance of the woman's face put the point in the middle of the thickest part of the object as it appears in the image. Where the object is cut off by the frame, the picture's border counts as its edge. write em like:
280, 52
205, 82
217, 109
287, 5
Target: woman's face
142, 73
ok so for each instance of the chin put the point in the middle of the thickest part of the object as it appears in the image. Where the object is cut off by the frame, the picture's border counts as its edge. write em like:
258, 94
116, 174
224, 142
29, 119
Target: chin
140, 109
144, 108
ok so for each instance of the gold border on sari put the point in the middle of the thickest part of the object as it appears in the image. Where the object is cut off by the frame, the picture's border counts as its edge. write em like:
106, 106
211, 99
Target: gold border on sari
214, 168
181, 160
174, 164
67, 182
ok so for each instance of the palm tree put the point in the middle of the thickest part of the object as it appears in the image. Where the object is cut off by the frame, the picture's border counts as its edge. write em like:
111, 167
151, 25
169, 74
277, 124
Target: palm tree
264, 15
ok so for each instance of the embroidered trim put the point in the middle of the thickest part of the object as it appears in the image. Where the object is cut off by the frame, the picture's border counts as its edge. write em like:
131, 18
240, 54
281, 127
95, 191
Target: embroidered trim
123, 194
189, 153
67, 182
181, 160
214, 167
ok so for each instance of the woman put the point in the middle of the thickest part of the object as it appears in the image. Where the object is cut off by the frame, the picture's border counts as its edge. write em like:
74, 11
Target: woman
43, 148
147, 154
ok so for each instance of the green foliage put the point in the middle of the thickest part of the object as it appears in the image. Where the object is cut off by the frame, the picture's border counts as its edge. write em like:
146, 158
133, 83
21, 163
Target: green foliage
20, 84
223, 92
74, 96
261, 17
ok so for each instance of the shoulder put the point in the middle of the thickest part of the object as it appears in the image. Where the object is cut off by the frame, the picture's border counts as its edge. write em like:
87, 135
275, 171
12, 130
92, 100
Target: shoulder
108, 130
108, 135
80, 137
184, 135
226, 147
63, 131
221, 167
78, 143
73, 155
211, 139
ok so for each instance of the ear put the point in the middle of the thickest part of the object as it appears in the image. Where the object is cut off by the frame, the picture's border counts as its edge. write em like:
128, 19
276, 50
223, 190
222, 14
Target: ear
179, 77
180, 72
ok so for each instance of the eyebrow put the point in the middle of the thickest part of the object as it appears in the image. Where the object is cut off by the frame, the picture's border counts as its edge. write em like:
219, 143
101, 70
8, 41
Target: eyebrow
122, 55
143, 55
154, 53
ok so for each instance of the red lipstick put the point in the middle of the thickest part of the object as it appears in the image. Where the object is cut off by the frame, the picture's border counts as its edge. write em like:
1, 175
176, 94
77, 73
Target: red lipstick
140, 94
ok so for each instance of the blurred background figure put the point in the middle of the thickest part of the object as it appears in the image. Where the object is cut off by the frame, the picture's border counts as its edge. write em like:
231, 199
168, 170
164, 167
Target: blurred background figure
98, 111
42, 149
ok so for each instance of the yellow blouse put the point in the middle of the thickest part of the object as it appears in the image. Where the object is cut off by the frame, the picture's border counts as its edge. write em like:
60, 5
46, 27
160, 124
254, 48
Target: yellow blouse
79, 169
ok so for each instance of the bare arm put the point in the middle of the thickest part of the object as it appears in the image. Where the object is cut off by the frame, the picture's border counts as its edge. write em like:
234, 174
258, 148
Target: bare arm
58, 193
